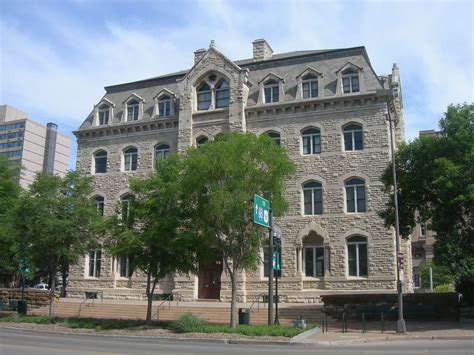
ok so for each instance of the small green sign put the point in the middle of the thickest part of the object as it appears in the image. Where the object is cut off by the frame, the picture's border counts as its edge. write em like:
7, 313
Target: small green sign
261, 211
276, 261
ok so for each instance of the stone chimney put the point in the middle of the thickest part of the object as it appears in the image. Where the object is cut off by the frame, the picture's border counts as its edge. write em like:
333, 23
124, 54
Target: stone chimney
261, 50
198, 54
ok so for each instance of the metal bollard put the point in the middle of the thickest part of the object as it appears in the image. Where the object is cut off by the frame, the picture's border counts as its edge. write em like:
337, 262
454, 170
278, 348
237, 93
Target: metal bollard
364, 327
343, 322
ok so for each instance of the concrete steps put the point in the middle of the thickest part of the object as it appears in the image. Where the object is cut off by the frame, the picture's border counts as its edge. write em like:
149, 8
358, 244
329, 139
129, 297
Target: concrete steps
213, 314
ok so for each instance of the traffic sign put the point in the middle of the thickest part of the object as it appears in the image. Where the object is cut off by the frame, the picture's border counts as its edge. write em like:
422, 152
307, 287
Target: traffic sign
261, 211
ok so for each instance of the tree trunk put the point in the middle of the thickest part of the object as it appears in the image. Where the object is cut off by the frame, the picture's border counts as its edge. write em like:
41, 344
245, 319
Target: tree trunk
64, 277
150, 290
233, 302
51, 297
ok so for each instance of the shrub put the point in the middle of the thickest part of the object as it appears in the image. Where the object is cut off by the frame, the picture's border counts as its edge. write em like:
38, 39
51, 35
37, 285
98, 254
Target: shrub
441, 275
444, 288
189, 323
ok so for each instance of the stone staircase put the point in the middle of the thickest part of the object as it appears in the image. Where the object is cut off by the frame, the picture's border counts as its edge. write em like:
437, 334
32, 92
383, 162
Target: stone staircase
211, 312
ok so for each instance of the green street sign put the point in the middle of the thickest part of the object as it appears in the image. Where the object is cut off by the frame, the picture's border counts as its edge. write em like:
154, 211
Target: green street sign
261, 211
276, 261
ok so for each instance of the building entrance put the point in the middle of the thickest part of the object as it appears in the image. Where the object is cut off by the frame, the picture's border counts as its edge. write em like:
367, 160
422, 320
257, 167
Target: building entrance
209, 286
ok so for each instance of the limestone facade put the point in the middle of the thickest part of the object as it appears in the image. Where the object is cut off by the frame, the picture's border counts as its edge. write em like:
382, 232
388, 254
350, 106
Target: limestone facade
290, 113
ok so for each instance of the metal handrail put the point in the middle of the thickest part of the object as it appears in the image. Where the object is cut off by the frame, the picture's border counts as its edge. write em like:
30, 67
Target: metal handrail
176, 296
258, 302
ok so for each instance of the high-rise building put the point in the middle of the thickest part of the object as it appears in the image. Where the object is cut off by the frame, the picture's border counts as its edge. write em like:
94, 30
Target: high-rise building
36, 147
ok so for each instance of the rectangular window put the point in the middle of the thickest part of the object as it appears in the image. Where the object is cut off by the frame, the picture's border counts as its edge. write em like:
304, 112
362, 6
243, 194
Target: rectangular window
124, 267
316, 144
306, 90
306, 144
131, 161
132, 113
308, 203
350, 203
361, 199
347, 140
204, 100
271, 94
346, 83
319, 261
352, 259
94, 263
362, 249
165, 108
358, 140
355, 83
104, 117
308, 262
222, 98
318, 201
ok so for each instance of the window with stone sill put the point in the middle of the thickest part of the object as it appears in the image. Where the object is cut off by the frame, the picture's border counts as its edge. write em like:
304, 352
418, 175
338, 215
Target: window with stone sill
309, 86
271, 91
162, 151
100, 162
104, 113
93, 261
311, 141
164, 106
100, 204
357, 261
130, 159
204, 97
124, 268
353, 137
133, 109
355, 196
313, 198
222, 94
350, 81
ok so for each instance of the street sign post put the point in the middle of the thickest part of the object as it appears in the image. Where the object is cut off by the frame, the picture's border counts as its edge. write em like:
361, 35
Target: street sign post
261, 211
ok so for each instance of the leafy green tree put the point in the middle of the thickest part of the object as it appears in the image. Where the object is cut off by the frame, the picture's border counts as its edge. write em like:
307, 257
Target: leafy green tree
220, 179
56, 222
436, 183
441, 275
9, 195
148, 232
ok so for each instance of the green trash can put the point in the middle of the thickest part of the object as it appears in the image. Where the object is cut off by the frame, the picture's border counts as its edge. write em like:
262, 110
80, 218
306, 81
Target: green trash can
22, 307
244, 316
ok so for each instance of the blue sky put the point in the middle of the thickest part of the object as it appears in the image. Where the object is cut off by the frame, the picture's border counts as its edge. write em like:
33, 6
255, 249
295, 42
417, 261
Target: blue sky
56, 56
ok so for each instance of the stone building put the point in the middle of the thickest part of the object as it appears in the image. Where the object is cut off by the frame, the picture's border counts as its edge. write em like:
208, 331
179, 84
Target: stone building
327, 108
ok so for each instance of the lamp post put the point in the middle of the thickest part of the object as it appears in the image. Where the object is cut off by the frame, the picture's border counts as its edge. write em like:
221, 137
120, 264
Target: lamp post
401, 327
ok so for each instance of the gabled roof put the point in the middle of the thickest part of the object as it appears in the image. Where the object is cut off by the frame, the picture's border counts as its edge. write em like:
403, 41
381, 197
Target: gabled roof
139, 98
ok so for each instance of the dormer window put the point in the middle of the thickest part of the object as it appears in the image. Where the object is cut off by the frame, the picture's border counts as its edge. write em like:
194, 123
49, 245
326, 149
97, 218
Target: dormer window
271, 91
222, 94
350, 81
310, 86
204, 97
104, 113
133, 109
164, 104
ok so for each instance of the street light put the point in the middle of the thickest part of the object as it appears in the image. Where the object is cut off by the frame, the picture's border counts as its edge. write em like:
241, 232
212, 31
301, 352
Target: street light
401, 327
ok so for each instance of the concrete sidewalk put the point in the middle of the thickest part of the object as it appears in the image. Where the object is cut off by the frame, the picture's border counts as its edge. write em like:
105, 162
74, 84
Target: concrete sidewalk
429, 330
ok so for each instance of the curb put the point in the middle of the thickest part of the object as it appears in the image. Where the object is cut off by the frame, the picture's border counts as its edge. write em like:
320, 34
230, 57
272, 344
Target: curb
388, 339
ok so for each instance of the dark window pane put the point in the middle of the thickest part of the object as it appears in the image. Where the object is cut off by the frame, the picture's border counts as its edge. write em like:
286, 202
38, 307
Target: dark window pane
306, 145
308, 205
306, 90
362, 259
347, 140
358, 140
350, 199
308, 262
319, 261
352, 259
316, 144
268, 95
361, 199
101, 164
355, 83
346, 85
276, 94
318, 201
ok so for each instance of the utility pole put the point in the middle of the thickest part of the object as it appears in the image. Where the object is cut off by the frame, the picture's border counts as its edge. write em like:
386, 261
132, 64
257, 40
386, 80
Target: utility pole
401, 327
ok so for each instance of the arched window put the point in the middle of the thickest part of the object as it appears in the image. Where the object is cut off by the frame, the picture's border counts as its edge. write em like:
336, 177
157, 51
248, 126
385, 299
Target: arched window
272, 91
313, 198
201, 141
100, 204
355, 195
132, 110
126, 206
353, 137
100, 161
104, 114
275, 136
313, 255
130, 159
357, 261
204, 97
310, 86
350, 81
311, 139
222, 94
164, 106
162, 151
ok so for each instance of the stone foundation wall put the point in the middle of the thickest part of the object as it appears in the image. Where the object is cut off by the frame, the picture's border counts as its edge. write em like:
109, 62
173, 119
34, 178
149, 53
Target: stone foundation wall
34, 298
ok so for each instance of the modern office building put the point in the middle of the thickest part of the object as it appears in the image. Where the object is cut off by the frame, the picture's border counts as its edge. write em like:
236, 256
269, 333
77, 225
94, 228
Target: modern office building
327, 108
36, 147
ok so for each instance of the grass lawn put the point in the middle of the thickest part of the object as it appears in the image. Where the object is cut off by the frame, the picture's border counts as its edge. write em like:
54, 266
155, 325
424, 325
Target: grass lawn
188, 323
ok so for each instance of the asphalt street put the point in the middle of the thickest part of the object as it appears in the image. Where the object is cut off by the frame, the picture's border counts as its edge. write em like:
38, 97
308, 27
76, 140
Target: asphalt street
19, 342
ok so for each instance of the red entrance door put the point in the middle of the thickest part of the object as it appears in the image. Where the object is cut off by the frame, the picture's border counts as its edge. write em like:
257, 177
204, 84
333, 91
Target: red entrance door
209, 286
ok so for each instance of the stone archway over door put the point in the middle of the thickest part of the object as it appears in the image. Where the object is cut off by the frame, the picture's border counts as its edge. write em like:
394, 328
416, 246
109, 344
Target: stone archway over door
209, 280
